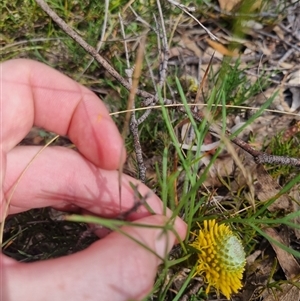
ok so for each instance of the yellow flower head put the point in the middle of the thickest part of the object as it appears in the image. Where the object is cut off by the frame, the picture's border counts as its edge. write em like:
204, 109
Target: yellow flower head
221, 258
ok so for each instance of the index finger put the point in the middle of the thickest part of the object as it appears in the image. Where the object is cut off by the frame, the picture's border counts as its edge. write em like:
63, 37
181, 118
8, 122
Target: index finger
35, 94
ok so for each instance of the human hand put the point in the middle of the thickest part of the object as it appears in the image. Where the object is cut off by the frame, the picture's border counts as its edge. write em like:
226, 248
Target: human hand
113, 268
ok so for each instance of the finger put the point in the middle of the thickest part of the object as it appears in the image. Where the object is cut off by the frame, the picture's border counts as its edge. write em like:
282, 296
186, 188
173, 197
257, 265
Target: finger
34, 94
115, 268
61, 178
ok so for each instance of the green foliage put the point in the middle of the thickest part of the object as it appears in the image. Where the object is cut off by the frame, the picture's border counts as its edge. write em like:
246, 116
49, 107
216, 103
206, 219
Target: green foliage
281, 146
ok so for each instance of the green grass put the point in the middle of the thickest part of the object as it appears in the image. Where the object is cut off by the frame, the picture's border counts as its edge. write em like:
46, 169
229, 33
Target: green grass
28, 32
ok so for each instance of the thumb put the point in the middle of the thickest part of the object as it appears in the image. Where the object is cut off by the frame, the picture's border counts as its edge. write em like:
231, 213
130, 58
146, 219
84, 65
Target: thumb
115, 268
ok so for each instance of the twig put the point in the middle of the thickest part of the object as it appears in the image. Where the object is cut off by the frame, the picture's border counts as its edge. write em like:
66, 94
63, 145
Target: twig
148, 111
181, 5
165, 57
165, 48
291, 32
286, 55
193, 60
259, 157
133, 122
125, 45
186, 10
140, 19
164, 62
138, 149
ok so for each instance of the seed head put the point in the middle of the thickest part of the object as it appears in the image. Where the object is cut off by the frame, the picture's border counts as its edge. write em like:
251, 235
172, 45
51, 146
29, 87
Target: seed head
221, 258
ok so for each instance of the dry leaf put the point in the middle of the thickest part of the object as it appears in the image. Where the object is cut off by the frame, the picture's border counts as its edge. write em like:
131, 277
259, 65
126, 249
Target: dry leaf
286, 260
174, 52
296, 207
286, 65
222, 49
266, 188
279, 32
228, 5
291, 270
251, 258
190, 44
294, 79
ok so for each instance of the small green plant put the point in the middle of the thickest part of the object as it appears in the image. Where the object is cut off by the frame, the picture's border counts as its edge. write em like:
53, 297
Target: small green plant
284, 146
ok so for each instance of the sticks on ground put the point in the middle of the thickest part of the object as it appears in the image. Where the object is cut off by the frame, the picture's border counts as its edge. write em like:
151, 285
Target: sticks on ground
259, 157
150, 99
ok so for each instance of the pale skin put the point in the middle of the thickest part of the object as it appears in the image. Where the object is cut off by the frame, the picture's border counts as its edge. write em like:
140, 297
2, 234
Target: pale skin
113, 268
